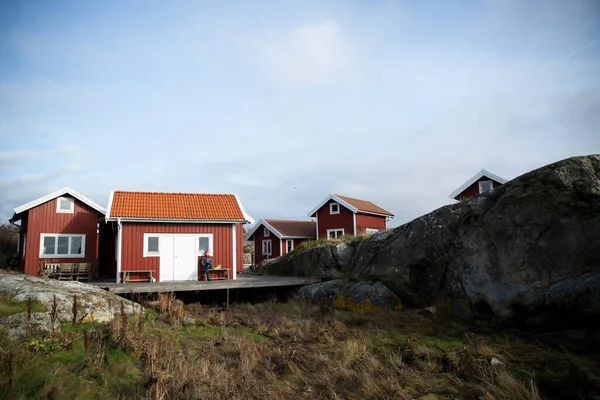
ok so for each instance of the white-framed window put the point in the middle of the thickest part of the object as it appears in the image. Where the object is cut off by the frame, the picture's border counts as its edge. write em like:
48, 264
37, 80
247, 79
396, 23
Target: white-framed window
24, 244
334, 208
151, 245
266, 232
334, 233
485, 186
205, 242
65, 205
289, 245
370, 231
266, 247
54, 245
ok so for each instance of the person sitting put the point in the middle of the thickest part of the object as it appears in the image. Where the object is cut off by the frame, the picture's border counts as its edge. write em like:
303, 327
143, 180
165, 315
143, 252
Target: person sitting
207, 263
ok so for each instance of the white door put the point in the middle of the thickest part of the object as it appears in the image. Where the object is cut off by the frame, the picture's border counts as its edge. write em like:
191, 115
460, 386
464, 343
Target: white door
185, 260
166, 258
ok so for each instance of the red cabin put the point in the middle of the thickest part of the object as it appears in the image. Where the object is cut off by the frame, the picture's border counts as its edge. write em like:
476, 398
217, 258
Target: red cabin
482, 182
274, 238
59, 227
337, 216
166, 233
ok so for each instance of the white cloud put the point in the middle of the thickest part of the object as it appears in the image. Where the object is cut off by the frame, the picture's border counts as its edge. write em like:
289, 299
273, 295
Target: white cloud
312, 54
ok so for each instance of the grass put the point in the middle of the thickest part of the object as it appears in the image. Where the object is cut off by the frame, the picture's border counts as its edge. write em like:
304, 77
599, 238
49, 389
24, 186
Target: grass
290, 350
9, 307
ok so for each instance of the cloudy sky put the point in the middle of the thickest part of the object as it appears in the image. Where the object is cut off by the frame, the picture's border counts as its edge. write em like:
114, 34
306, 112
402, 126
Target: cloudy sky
283, 102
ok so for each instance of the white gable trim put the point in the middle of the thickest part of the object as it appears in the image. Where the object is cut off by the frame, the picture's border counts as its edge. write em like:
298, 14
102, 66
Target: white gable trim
110, 201
246, 216
474, 179
336, 199
58, 193
266, 225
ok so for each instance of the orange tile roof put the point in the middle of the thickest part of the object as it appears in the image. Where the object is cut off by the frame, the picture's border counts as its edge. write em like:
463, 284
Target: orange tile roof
195, 206
298, 229
365, 206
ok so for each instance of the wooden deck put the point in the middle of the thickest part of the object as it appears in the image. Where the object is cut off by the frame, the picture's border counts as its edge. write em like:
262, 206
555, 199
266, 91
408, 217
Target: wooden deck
243, 281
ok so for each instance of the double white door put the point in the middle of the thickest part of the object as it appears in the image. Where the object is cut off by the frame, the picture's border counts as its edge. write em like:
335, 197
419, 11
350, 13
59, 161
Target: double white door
178, 258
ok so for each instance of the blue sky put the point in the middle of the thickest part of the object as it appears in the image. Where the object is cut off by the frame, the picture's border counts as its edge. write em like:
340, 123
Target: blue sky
284, 102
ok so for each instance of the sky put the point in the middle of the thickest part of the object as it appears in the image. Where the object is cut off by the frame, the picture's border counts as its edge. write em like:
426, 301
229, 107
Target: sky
284, 102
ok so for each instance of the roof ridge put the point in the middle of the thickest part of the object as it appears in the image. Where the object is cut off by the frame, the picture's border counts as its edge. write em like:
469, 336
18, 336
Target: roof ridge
186, 193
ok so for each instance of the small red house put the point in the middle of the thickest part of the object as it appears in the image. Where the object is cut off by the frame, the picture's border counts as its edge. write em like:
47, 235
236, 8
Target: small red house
59, 227
337, 216
482, 182
166, 233
274, 238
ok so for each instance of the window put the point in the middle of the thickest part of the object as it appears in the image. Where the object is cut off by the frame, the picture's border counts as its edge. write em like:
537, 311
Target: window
151, 245
266, 232
204, 243
334, 208
289, 245
64, 246
266, 250
485, 186
370, 231
65, 205
334, 233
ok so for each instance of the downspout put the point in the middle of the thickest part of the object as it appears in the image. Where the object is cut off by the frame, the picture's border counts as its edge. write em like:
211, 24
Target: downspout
120, 241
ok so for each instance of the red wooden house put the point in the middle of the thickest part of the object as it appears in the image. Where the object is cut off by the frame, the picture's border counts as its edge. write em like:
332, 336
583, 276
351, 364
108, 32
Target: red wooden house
59, 227
337, 216
481, 182
274, 238
166, 233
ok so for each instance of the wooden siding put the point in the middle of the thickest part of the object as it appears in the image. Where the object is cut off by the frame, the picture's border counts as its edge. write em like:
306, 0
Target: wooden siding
473, 190
364, 221
297, 242
132, 253
343, 220
45, 219
258, 238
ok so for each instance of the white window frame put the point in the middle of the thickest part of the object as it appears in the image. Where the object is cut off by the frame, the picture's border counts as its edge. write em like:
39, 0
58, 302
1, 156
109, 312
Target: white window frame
210, 243
480, 186
71, 201
287, 245
266, 232
336, 231
270, 251
331, 212
148, 253
370, 231
56, 236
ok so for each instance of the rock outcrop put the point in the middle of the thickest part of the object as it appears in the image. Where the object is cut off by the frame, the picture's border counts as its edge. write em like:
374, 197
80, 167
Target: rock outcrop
93, 303
527, 253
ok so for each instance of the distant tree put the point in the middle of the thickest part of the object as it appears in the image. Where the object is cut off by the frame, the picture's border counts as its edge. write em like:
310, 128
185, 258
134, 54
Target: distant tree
9, 235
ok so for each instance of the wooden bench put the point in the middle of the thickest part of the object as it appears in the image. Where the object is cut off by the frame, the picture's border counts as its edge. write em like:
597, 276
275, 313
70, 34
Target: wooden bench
212, 272
126, 276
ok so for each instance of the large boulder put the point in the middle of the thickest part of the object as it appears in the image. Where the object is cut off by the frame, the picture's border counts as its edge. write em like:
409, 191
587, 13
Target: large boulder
527, 253
354, 296
93, 303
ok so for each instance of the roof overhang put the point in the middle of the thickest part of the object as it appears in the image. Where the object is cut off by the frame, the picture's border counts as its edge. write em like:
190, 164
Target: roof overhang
474, 179
177, 221
262, 222
51, 196
337, 200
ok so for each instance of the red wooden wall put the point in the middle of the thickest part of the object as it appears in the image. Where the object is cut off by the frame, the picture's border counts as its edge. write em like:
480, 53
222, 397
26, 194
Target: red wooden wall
343, 220
275, 246
132, 237
297, 242
364, 221
473, 190
45, 219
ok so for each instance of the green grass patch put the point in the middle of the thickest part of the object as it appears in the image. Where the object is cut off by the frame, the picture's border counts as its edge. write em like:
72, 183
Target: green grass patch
9, 307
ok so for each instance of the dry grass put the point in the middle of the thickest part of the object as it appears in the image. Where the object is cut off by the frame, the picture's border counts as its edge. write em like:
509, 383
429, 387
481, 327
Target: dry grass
288, 351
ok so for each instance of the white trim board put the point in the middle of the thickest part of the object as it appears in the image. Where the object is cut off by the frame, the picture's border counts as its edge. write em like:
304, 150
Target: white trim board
246, 216
59, 193
266, 225
349, 206
474, 179
178, 221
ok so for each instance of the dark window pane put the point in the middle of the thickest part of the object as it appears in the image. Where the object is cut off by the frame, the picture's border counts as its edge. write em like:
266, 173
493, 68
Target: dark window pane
153, 244
203, 244
49, 243
63, 245
76, 245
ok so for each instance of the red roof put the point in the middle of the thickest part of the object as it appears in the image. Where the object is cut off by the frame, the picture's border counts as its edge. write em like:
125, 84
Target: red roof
365, 206
194, 206
299, 229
